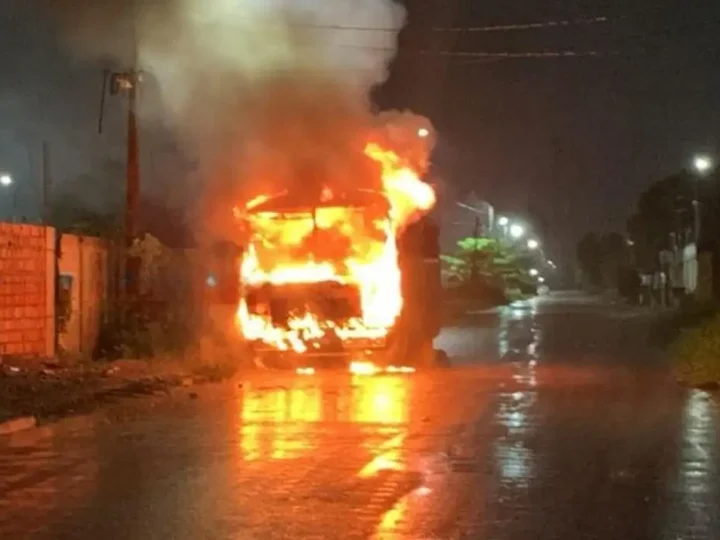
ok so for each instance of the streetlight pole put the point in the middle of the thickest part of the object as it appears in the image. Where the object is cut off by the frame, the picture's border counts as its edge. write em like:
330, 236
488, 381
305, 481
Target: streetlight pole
696, 210
6, 181
701, 164
503, 221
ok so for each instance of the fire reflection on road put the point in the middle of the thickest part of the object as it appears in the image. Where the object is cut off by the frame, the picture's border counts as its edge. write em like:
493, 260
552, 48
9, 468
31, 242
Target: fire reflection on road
357, 423
272, 422
515, 460
285, 422
379, 400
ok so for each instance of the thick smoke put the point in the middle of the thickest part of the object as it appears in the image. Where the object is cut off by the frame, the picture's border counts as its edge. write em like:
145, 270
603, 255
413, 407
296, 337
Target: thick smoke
268, 94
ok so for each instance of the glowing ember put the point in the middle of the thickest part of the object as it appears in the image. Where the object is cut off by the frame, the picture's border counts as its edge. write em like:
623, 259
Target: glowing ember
328, 272
400, 369
363, 368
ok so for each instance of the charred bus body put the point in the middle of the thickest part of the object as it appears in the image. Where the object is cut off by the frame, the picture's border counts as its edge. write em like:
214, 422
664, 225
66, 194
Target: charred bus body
325, 281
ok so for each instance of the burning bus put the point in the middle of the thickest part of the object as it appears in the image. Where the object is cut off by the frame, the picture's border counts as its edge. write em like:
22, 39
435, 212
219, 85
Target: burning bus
344, 273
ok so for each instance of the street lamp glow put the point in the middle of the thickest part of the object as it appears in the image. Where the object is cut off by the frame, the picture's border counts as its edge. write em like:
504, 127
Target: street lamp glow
423, 132
517, 231
534, 272
702, 164
6, 180
503, 221
533, 244
541, 279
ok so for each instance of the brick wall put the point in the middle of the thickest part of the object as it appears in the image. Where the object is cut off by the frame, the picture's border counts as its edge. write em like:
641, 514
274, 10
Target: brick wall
27, 324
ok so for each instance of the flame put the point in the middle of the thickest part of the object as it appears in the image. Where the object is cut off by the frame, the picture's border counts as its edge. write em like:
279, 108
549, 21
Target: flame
349, 249
408, 195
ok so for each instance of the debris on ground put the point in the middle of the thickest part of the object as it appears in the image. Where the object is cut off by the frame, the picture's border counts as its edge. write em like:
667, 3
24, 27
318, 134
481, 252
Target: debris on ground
50, 390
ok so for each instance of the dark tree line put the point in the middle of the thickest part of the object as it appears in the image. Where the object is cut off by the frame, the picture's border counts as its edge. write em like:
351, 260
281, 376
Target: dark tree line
663, 219
601, 258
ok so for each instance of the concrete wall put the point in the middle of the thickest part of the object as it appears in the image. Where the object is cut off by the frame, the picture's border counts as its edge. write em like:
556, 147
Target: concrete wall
84, 272
27, 290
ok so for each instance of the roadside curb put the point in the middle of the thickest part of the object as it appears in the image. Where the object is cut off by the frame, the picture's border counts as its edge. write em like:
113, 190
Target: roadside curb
20, 423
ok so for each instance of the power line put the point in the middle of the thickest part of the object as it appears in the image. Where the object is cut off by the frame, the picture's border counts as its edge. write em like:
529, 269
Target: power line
480, 56
528, 26
492, 54
490, 28
525, 54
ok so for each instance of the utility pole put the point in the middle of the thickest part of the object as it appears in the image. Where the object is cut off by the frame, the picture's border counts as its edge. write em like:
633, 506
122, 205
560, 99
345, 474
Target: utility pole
46, 179
132, 195
127, 82
476, 252
697, 215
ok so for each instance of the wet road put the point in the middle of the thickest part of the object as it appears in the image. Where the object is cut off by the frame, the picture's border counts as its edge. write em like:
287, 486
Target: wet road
557, 422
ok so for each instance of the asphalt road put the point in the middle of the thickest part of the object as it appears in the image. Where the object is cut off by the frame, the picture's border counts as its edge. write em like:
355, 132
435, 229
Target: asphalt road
557, 421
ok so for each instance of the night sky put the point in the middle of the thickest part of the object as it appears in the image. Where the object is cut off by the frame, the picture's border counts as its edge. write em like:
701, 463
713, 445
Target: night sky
567, 141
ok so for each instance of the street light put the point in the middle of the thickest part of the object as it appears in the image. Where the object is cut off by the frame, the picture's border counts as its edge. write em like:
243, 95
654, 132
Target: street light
541, 279
6, 180
517, 231
503, 223
534, 272
533, 244
702, 165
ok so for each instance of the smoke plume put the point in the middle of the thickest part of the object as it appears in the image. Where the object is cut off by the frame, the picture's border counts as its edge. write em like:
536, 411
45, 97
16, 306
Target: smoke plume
268, 94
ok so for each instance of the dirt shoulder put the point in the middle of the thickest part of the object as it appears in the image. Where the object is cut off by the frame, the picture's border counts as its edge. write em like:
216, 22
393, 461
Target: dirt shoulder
37, 393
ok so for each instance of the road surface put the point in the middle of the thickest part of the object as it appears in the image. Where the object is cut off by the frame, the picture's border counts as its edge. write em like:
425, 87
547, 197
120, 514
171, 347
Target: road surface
557, 421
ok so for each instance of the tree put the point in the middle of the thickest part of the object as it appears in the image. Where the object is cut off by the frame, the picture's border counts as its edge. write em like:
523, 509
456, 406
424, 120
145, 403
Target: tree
664, 212
476, 258
613, 257
589, 257
68, 214
601, 258
78, 209
91, 204
488, 267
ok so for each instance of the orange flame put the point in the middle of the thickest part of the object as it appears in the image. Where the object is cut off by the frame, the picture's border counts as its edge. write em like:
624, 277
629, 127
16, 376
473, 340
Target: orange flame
408, 195
353, 248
